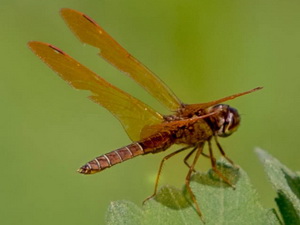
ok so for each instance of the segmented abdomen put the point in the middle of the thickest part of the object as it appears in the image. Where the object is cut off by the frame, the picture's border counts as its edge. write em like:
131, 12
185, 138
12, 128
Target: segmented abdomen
107, 160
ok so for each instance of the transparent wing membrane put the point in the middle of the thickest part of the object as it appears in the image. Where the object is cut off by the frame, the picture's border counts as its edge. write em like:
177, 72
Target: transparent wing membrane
91, 33
132, 113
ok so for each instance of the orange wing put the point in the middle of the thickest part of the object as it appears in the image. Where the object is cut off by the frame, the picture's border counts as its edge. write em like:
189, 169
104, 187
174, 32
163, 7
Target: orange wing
132, 113
171, 126
193, 108
91, 33
190, 110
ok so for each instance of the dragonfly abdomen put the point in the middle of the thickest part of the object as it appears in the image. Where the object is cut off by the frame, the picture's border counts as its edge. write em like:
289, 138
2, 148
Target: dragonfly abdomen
112, 158
153, 144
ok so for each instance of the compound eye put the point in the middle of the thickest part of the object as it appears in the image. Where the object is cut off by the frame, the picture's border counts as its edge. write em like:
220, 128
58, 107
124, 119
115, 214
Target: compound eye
232, 122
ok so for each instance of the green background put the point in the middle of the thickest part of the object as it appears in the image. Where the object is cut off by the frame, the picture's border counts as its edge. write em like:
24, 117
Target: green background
203, 50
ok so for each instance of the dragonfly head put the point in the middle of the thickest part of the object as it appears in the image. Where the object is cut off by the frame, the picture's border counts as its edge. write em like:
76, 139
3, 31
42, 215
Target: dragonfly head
225, 121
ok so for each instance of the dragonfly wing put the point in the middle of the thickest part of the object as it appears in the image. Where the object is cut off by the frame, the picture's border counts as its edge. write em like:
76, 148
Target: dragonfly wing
132, 113
91, 33
193, 108
149, 130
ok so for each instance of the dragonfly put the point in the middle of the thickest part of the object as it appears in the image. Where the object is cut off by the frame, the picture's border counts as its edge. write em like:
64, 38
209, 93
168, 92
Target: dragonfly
189, 125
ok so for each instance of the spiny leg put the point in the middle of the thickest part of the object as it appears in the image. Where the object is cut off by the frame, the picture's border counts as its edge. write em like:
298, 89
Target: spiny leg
160, 169
223, 152
190, 154
205, 155
187, 157
214, 166
188, 178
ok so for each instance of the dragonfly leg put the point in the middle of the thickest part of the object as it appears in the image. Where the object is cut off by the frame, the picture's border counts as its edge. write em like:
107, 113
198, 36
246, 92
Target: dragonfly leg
160, 169
188, 179
207, 156
187, 157
223, 152
214, 166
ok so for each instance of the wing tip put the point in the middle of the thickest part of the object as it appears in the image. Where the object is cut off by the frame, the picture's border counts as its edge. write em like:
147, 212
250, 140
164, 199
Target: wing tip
57, 50
64, 11
34, 45
255, 89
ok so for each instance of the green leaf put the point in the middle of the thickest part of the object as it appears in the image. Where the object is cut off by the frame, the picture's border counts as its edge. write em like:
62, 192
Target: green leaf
287, 185
219, 203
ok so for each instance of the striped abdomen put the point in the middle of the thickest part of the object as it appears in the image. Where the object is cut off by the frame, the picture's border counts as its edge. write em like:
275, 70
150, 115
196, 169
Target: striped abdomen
107, 160
153, 144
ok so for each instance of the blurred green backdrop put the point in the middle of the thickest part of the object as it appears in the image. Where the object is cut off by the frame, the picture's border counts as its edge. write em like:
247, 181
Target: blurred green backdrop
202, 49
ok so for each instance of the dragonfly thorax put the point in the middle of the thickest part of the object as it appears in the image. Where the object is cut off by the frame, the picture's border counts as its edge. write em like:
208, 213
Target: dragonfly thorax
225, 121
